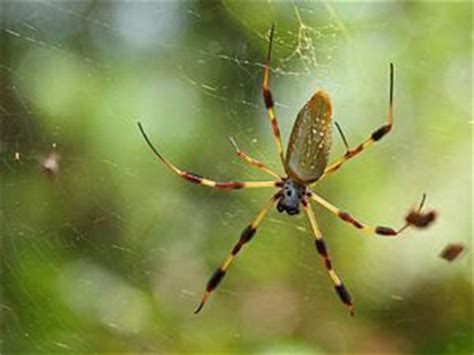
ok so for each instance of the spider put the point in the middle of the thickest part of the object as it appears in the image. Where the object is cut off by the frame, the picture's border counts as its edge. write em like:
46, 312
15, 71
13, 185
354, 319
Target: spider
305, 163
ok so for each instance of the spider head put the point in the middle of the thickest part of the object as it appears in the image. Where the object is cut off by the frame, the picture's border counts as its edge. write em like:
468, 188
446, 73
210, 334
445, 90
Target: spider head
292, 194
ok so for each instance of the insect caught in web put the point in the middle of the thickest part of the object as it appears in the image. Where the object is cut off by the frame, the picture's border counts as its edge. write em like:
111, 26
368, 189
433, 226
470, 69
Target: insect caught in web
305, 162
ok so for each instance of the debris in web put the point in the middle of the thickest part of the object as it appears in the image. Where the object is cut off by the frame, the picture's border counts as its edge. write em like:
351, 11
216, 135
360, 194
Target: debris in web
50, 165
419, 219
452, 251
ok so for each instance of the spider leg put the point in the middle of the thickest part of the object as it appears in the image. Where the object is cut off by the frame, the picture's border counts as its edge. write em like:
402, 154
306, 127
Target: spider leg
323, 252
269, 103
256, 163
385, 231
194, 178
343, 136
245, 237
374, 137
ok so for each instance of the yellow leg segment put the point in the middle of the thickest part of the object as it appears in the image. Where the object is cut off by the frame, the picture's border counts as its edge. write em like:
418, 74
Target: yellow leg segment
323, 252
269, 103
254, 162
375, 136
197, 179
346, 217
245, 237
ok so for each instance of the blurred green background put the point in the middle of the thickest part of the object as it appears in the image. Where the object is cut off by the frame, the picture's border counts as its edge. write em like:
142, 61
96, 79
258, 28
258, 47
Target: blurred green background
105, 250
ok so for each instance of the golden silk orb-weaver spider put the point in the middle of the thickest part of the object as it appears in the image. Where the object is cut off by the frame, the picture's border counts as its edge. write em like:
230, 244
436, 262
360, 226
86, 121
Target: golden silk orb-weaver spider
305, 163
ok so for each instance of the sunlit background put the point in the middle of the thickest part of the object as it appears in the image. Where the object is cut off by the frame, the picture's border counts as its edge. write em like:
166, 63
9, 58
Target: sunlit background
105, 250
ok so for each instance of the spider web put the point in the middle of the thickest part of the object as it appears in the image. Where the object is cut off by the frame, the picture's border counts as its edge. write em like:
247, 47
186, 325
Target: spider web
104, 250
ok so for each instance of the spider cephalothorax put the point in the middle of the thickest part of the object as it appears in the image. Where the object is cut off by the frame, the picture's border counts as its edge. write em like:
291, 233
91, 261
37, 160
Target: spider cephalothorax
292, 194
305, 163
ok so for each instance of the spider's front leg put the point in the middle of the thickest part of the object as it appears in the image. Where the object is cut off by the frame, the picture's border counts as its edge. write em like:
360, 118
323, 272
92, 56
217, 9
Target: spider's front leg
245, 237
323, 252
197, 179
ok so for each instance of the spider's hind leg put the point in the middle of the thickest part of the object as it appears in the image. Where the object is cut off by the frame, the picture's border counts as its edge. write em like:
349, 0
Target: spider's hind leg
268, 99
374, 137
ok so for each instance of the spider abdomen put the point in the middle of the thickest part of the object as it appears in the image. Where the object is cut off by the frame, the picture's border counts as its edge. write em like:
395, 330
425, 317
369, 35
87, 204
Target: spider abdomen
310, 140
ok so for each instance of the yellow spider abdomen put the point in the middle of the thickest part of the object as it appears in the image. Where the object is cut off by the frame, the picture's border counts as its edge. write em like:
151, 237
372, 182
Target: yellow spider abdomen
310, 140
